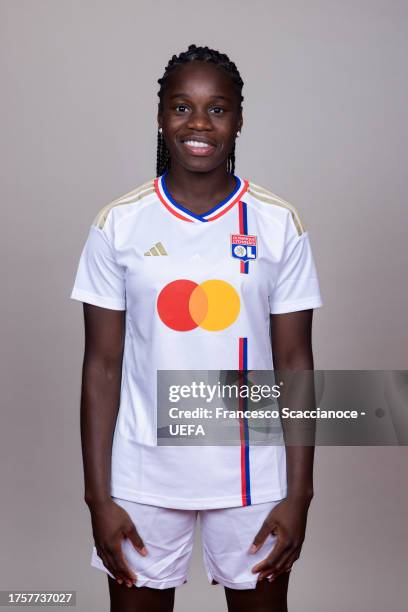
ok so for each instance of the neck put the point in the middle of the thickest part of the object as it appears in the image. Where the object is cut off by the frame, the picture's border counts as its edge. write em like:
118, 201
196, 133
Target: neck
199, 191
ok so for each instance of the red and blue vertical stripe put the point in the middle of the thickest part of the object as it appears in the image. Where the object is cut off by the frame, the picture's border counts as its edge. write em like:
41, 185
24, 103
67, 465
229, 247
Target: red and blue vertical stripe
243, 229
243, 426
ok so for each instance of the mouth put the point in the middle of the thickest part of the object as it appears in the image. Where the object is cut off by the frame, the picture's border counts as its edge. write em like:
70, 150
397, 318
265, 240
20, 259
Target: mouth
199, 146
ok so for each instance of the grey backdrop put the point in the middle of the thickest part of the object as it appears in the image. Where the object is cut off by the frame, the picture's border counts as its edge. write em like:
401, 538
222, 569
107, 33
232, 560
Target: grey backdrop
325, 128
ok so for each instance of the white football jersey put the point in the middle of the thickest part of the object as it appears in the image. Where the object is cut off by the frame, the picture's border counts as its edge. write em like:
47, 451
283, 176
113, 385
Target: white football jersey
198, 291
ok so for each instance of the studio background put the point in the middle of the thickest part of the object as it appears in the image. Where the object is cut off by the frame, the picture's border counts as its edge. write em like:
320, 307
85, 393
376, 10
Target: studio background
325, 128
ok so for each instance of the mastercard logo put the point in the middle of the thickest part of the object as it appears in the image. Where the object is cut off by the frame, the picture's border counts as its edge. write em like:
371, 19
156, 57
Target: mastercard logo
213, 305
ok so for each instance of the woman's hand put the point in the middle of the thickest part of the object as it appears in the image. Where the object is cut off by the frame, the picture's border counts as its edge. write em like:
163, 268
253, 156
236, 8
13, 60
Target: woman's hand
287, 521
110, 524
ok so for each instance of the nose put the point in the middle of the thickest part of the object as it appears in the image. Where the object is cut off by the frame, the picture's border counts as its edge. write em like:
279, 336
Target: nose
199, 120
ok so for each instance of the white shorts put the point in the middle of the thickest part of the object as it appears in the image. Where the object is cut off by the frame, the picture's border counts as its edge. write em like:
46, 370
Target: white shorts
168, 534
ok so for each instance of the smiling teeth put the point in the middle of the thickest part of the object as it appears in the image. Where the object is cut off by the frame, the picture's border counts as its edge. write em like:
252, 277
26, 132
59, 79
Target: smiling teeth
195, 143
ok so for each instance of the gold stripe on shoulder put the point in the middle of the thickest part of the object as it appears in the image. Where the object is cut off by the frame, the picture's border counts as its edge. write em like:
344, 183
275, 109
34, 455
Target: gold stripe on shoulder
271, 198
128, 198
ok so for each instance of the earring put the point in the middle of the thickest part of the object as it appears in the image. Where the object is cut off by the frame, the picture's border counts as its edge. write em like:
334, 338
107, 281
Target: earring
238, 134
160, 130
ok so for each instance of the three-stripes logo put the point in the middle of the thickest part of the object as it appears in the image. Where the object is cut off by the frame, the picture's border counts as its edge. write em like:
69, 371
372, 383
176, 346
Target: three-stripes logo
157, 249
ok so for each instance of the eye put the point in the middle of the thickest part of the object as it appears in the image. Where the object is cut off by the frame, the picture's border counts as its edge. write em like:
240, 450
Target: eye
217, 110
180, 108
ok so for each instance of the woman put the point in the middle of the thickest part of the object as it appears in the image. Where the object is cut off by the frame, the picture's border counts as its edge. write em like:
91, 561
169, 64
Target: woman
191, 271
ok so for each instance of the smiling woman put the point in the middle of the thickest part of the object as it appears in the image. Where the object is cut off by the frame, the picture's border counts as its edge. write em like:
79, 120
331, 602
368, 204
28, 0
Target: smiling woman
197, 269
199, 117
205, 121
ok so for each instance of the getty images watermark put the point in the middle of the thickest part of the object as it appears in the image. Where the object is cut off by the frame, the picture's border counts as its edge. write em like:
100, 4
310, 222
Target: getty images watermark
323, 407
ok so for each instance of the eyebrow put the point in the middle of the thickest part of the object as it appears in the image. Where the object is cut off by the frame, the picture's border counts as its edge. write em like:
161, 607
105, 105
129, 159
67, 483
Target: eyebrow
184, 95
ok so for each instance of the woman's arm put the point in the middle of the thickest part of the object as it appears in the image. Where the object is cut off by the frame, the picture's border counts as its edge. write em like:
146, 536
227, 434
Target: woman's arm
292, 350
101, 378
101, 381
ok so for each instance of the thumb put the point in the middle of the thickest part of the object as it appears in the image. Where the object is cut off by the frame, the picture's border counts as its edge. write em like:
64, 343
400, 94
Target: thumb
136, 540
260, 537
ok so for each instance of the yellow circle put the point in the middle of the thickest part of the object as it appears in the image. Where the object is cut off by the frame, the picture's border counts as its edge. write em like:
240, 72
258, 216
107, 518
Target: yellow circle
223, 305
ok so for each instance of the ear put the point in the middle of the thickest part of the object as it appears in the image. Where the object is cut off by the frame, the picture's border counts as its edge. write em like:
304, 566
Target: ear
240, 122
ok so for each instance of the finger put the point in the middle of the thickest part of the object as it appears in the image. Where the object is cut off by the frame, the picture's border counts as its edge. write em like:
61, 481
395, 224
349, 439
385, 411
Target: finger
269, 575
109, 564
271, 559
286, 561
121, 567
104, 558
260, 537
272, 577
136, 540
284, 567
110, 561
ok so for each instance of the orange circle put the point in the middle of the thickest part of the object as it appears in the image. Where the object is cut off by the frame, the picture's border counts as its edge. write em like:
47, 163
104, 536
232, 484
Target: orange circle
198, 304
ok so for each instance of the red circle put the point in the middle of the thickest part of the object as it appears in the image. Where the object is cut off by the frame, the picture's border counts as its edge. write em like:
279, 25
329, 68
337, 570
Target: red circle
173, 305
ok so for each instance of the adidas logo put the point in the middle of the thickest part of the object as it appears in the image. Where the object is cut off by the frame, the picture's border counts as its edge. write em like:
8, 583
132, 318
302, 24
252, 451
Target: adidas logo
157, 249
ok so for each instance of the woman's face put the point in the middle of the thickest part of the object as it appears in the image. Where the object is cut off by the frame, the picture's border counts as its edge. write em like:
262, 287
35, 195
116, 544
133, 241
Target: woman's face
200, 116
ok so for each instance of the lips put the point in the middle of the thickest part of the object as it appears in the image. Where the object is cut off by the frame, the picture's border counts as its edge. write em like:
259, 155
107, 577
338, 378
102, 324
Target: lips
198, 146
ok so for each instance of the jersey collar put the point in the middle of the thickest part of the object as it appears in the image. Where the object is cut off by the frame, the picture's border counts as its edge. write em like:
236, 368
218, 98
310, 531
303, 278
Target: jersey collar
186, 215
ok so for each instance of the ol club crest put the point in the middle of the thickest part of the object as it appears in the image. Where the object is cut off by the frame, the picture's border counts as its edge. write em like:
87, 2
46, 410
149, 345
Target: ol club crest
243, 247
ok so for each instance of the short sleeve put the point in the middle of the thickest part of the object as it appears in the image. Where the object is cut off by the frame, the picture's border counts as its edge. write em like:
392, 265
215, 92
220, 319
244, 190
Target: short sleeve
297, 285
99, 279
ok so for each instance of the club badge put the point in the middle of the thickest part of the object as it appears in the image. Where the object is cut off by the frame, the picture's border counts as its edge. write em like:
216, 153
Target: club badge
243, 247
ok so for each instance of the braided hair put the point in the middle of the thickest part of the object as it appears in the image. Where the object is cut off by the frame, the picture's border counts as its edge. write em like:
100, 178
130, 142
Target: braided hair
203, 54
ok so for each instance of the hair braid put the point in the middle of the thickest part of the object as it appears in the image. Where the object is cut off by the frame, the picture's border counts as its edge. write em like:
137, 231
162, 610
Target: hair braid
203, 54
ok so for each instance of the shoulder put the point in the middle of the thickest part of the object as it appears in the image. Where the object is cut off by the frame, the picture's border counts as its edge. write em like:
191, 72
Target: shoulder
124, 203
277, 206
